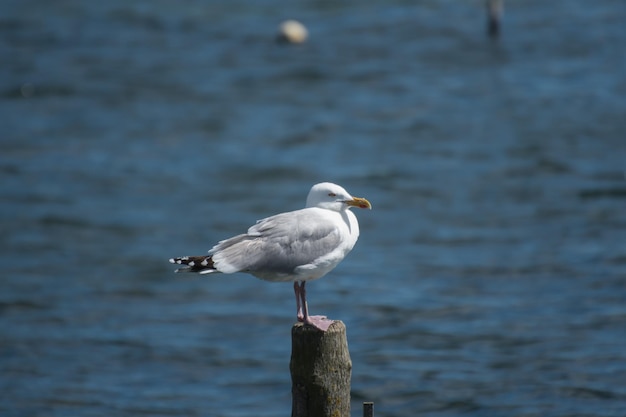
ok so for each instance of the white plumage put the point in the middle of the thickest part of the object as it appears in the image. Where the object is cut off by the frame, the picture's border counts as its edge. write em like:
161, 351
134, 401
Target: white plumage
299, 246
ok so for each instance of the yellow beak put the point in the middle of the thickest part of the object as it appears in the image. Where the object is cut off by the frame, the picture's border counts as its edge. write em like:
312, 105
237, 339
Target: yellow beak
359, 202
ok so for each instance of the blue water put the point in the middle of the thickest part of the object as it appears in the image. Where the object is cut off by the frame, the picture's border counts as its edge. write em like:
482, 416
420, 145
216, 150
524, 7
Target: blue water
489, 279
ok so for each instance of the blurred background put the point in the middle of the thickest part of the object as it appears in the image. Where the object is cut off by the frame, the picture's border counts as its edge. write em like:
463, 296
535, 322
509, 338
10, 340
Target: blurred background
490, 276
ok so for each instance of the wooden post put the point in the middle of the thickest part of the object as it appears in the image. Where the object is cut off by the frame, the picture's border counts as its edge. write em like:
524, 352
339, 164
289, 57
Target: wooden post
320, 371
368, 409
494, 17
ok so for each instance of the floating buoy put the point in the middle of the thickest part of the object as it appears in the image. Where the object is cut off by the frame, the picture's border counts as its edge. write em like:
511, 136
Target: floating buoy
292, 31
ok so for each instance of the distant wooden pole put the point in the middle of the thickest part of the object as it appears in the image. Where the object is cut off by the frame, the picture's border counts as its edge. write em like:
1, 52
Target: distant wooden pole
320, 371
494, 17
368, 409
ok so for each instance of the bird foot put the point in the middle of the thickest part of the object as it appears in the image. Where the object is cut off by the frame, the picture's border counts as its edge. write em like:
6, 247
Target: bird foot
320, 322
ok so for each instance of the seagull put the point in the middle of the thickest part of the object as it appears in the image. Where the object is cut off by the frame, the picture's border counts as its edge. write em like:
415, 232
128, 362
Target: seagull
295, 246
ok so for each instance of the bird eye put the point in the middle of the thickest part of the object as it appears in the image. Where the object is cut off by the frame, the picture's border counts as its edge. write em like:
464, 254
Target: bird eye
332, 195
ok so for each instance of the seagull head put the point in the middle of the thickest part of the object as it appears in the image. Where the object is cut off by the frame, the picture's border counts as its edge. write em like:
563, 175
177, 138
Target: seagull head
331, 196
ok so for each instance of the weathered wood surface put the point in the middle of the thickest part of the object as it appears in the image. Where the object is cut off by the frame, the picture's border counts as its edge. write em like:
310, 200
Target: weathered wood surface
320, 371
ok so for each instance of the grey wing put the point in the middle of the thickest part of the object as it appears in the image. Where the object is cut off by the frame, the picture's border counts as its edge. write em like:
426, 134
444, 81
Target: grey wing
278, 244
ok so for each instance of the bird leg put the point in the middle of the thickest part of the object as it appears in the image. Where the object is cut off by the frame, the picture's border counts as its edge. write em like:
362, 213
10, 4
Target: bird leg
305, 306
320, 322
297, 291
